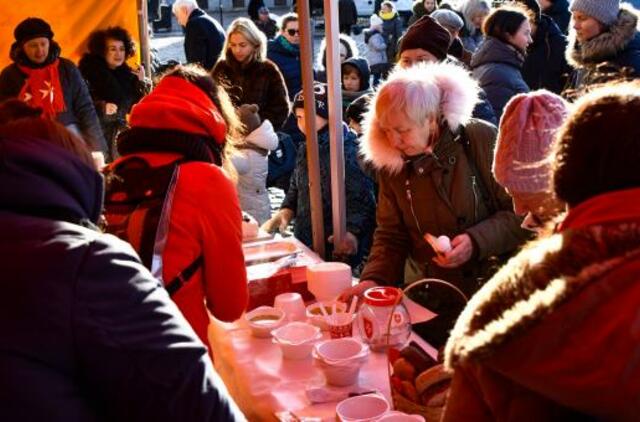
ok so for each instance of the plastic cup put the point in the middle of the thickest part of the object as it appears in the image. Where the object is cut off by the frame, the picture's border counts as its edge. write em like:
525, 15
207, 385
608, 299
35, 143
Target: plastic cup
341, 325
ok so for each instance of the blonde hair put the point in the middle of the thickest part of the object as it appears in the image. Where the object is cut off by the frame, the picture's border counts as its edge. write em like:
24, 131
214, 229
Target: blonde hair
252, 34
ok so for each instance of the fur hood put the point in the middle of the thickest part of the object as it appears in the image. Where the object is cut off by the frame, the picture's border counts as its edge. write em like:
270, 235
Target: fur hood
607, 45
447, 88
535, 283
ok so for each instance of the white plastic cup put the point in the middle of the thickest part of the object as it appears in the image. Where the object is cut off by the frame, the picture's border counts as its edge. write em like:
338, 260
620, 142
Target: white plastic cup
292, 305
327, 280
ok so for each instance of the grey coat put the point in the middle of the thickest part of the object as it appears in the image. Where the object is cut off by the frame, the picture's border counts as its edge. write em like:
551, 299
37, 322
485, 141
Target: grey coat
497, 68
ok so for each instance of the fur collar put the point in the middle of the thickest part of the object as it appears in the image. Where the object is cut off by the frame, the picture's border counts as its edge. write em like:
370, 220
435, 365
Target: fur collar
532, 285
606, 45
447, 88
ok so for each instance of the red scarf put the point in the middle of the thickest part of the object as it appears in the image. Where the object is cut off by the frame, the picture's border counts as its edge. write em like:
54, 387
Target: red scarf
42, 89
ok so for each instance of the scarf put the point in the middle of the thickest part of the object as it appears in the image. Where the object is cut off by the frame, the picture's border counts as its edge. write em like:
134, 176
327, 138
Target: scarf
387, 15
295, 49
42, 89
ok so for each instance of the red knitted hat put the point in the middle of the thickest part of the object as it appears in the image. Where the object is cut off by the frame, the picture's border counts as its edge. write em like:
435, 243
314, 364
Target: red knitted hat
177, 104
525, 141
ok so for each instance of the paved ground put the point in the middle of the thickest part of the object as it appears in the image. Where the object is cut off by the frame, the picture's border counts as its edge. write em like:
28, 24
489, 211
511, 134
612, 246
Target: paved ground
169, 43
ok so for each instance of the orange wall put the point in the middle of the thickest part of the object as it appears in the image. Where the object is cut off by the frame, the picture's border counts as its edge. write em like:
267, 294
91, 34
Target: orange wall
71, 20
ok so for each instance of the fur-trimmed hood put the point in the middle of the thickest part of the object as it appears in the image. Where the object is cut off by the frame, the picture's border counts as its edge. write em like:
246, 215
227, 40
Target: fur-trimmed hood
448, 89
546, 275
607, 45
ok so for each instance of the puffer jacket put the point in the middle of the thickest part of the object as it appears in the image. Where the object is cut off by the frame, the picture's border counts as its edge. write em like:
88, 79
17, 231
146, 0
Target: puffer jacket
559, 12
445, 194
392, 31
287, 57
80, 114
497, 66
376, 48
360, 202
618, 48
553, 336
252, 166
545, 66
258, 83
87, 333
203, 39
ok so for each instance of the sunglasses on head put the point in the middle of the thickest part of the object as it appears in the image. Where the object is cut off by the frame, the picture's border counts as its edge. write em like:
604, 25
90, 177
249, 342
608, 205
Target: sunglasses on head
293, 32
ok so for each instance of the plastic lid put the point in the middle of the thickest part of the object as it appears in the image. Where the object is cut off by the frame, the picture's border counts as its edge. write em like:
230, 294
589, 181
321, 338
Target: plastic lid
382, 296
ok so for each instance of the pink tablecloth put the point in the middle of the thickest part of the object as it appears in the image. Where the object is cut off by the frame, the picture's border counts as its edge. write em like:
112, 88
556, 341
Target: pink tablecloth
262, 382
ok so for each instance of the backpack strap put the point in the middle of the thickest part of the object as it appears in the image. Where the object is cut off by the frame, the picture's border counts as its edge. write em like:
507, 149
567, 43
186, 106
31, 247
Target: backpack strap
184, 276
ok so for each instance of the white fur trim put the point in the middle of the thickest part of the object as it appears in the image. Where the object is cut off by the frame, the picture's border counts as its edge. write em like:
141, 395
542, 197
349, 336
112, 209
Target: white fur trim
454, 99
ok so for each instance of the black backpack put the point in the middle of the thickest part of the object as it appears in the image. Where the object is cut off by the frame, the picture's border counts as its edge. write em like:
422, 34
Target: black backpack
137, 208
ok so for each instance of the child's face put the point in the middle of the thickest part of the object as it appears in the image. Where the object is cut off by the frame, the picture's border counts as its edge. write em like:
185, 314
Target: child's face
385, 8
320, 121
357, 128
351, 81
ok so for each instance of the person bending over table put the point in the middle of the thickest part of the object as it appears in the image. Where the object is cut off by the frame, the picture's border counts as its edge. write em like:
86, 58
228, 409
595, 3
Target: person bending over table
434, 163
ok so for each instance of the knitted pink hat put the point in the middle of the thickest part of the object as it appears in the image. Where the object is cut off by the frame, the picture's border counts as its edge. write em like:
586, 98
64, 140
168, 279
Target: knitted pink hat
525, 140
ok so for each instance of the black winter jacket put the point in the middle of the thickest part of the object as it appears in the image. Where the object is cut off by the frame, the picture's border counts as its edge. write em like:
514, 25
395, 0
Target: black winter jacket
496, 66
545, 65
203, 39
80, 113
559, 12
87, 333
258, 83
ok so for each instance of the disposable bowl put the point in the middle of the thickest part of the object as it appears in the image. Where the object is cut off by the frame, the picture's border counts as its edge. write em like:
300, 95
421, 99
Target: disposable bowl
264, 319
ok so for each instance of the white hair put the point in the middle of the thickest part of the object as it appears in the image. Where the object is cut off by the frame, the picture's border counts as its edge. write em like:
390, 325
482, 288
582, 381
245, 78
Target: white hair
188, 5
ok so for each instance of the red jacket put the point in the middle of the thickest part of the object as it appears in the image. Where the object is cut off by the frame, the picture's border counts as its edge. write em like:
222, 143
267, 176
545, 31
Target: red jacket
205, 219
555, 334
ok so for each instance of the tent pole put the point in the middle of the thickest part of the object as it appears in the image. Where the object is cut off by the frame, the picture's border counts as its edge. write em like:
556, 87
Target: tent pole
143, 27
313, 161
334, 80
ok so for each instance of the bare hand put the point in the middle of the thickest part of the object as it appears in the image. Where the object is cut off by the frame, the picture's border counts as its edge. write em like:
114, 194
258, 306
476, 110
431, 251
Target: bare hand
357, 290
460, 253
140, 73
279, 221
110, 108
348, 246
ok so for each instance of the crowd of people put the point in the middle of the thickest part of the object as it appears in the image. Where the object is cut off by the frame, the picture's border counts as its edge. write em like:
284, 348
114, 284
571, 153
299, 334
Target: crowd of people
510, 129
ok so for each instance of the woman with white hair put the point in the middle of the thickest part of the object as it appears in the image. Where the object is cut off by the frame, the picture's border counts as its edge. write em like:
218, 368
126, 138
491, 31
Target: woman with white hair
474, 13
434, 166
249, 77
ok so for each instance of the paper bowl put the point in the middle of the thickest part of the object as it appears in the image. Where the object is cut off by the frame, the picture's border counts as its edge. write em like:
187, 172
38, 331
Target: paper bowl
340, 360
296, 339
263, 320
314, 314
367, 408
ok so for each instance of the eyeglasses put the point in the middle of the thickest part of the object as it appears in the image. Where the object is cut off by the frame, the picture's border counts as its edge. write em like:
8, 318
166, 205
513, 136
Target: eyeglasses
293, 32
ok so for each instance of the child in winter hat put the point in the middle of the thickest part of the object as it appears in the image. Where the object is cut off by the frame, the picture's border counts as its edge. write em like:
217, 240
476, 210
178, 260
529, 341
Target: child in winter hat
320, 98
604, 11
522, 156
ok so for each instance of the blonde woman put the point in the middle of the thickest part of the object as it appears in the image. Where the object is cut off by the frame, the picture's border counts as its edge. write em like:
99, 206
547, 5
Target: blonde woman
248, 76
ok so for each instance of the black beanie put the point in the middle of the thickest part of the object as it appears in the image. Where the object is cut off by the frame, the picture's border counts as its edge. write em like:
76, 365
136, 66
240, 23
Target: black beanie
320, 96
31, 28
428, 35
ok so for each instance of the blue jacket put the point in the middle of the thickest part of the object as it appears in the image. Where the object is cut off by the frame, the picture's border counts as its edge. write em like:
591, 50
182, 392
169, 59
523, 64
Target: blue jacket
87, 333
203, 39
360, 202
496, 66
287, 57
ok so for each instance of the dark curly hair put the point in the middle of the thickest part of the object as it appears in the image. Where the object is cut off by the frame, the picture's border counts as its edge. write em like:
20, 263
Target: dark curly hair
98, 41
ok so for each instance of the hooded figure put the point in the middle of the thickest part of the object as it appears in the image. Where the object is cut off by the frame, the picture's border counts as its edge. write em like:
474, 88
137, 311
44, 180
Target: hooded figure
183, 119
360, 67
615, 49
434, 172
37, 69
84, 322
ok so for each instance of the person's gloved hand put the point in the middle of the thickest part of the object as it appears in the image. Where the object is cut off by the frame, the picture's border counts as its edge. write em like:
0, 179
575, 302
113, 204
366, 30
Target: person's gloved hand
348, 246
279, 221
